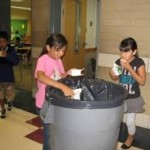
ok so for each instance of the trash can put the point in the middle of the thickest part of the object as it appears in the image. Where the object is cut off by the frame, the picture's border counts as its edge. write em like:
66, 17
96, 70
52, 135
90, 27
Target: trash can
91, 123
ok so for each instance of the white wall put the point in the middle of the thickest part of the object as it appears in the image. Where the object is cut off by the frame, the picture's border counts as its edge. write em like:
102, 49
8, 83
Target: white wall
91, 23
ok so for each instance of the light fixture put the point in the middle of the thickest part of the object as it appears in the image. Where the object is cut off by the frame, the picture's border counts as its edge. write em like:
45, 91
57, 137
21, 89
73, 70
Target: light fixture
23, 8
17, 0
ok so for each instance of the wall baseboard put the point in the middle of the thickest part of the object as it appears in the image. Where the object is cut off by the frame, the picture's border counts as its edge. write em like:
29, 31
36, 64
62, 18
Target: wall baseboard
142, 120
107, 60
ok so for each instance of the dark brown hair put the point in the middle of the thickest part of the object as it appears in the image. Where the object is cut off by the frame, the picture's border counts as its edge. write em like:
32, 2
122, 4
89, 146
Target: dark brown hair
56, 40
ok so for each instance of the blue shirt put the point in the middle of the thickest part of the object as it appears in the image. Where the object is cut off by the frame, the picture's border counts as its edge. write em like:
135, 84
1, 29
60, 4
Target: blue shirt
6, 65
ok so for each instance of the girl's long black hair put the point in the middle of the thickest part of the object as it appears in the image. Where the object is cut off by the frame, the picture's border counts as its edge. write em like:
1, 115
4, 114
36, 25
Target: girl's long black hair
129, 44
56, 40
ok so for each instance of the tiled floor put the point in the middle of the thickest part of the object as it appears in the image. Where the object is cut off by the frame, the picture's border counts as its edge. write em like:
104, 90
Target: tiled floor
13, 130
21, 130
23, 76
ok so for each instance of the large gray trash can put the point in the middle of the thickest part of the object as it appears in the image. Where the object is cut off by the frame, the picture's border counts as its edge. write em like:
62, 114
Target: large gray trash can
88, 124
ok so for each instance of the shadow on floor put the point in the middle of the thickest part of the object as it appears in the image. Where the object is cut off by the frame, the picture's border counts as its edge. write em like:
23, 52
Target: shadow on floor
142, 136
24, 101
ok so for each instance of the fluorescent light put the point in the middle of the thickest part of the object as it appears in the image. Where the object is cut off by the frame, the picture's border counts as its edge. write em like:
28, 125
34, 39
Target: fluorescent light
23, 8
16, 0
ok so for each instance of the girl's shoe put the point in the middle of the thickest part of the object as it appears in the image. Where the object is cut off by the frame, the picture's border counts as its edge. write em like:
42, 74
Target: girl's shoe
9, 107
3, 113
124, 146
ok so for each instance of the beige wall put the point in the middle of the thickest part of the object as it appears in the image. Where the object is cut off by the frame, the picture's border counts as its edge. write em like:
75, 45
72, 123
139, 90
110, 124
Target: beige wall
40, 31
40, 22
123, 18
20, 14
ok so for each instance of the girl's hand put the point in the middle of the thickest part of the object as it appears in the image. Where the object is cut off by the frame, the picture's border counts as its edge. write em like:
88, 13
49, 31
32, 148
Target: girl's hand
113, 75
67, 90
3, 53
64, 75
139, 76
41, 77
125, 64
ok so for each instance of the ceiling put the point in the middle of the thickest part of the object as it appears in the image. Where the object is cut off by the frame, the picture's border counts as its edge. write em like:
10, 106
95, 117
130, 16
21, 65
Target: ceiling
22, 4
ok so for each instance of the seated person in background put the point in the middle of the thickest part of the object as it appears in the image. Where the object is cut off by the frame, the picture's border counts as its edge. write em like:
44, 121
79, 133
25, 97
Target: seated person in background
18, 42
8, 58
17, 35
16, 39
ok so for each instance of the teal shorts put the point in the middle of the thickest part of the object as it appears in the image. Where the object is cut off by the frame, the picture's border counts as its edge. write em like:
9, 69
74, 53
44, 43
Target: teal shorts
7, 90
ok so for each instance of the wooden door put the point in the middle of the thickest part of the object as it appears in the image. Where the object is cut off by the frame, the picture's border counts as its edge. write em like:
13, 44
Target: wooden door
74, 59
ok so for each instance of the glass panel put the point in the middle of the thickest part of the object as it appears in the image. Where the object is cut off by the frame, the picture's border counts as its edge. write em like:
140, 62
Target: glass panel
21, 40
77, 27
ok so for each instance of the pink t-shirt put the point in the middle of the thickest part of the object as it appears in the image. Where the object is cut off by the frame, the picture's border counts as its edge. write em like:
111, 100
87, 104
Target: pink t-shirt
52, 68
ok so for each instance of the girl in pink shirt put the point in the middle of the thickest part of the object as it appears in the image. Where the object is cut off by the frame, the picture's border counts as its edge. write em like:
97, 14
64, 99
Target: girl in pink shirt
48, 70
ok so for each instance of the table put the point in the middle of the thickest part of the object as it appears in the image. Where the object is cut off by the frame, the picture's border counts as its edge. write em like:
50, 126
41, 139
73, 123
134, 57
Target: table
24, 52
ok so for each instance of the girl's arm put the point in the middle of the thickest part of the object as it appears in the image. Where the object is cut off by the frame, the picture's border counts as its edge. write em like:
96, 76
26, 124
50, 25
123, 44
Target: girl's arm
64, 75
113, 75
12, 57
140, 76
41, 77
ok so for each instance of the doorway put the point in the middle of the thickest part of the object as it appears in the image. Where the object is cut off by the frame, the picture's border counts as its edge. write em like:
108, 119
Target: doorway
20, 21
74, 27
79, 24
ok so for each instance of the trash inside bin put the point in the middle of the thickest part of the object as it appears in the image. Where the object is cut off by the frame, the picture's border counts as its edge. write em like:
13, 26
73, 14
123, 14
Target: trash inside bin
91, 123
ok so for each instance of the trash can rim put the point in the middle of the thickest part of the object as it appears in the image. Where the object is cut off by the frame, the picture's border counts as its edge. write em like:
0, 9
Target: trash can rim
77, 104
